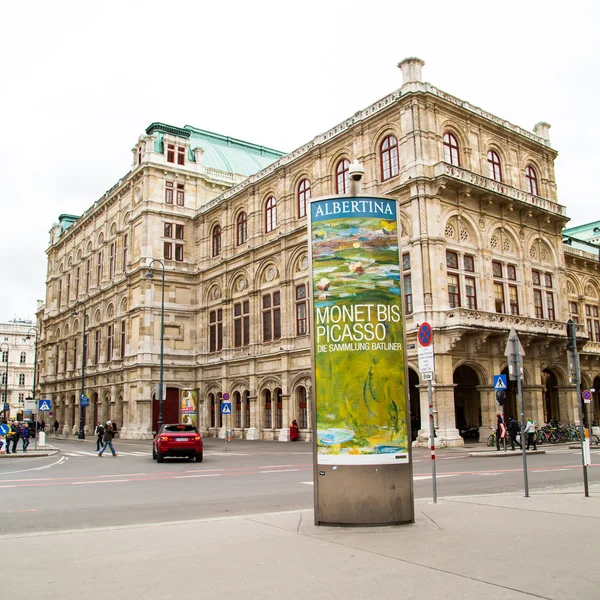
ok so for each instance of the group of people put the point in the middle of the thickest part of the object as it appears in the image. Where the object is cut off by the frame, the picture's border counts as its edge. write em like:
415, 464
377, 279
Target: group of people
16, 431
505, 433
104, 437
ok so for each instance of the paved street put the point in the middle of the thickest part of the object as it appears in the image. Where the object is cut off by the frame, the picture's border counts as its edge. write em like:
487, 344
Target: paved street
75, 489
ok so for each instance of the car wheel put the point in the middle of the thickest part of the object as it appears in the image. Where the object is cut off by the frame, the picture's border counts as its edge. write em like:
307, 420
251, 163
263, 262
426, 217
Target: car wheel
199, 456
153, 453
160, 457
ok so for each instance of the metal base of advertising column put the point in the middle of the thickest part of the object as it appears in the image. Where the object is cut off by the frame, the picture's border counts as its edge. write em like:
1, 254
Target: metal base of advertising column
362, 458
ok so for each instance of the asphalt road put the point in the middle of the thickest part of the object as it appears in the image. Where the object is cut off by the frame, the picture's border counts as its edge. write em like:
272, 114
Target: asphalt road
74, 489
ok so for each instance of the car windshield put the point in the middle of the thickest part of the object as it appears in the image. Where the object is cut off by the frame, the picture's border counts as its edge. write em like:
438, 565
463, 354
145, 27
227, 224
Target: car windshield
179, 428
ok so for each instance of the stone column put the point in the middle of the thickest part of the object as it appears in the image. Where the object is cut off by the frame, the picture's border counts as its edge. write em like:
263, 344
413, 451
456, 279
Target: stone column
443, 402
489, 410
533, 399
284, 432
567, 402
423, 436
253, 432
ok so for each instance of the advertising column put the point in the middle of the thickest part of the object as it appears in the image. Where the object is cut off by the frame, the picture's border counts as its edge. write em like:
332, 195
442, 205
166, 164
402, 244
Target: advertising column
362, 465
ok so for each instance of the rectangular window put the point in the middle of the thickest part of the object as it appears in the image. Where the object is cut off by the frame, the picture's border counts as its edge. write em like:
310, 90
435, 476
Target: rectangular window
178, 232
241, 324
471, 293
590, 329
511, 272
77, 283
451, 260
537, 303
408, 297
406, 262
168, 230
75, 353
588, 310
167, 251
574, 308
497, 269
125, 242
169, 192
100, 260
453, 291
59, 292
109, 342
215, 330
178, 252
597, 331
180, 194
499, 297
97, 347
123, 330
68, 287
469, 263
550, 305
535, 277
113, 257
271, 317
85, 355
513, 299
548, 280
595, 312
301, 315
88, 275
180, 155
171, 153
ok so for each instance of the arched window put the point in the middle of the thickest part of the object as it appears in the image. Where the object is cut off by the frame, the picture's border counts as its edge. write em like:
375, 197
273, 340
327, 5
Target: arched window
237, 397
303, 197
302, 408
23, 358
494, 166
389, 158
22, 379
213, 409
451, 154
271, 214
268, 410
242, 229
216, 240
342, 177
532, 182
278, 409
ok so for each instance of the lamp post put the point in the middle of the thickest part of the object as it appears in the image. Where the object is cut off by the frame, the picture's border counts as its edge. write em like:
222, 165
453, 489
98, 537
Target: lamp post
5, 403
162, 336
81, 434
28, 337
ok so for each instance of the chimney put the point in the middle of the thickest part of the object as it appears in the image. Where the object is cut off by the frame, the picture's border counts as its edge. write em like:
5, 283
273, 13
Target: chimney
411, 70
542, 130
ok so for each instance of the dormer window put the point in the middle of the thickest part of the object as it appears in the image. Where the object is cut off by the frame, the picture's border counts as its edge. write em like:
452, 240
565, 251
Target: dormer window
172, 151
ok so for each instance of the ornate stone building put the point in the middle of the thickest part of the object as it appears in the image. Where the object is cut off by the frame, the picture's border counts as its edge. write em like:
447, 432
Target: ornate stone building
482, 252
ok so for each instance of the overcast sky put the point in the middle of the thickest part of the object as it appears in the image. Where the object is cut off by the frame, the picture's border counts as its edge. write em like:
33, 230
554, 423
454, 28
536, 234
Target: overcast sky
79, 82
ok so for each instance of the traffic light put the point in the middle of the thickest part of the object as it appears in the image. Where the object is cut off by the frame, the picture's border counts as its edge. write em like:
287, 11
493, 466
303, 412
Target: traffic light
501, 397
572, 335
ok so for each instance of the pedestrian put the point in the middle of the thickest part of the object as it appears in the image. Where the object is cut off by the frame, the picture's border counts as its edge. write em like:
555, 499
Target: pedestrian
99, 433
55, 427
530, 431
25, 435
513, 430
113, 425
43, 425
293, 431
16, 435
500, 432
108, 438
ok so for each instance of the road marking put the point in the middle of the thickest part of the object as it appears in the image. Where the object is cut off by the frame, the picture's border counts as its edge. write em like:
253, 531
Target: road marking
422, 477
196, 470
278, 471
124, 475
308, 482
273, 466
103, 481
195, 476
547, 470
58, 462
7, 486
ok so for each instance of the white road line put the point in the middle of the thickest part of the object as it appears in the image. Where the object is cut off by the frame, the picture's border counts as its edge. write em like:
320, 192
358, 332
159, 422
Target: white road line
7, 486
547, 470
61, 460
422, 477
274, 466
103, 481
308, 482
279, 471
124, 475
196, 470
72, 454
195, 476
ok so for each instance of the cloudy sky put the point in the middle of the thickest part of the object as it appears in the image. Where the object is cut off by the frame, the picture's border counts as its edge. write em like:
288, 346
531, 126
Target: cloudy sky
79, 82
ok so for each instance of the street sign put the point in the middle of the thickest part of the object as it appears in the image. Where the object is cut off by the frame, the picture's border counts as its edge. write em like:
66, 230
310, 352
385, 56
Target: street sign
425, 335
427, 376
225, 408
6, 406
44, 405
425, 359
84, 401
500, 382
587, 396
508, 351
226, 396
50, 414
4, 429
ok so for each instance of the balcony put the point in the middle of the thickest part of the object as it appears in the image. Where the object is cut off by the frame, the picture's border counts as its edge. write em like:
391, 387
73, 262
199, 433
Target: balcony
443, 169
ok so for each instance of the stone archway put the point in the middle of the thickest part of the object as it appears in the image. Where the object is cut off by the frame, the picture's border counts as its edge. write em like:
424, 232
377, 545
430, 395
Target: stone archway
467, 402
415, 403
551, 403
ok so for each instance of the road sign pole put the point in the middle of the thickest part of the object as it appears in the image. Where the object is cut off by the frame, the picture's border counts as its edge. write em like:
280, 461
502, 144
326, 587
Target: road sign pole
432, 440
517, 358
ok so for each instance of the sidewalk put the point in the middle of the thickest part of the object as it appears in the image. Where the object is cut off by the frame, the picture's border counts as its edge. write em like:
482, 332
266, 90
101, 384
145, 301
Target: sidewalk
32, 452
496, 547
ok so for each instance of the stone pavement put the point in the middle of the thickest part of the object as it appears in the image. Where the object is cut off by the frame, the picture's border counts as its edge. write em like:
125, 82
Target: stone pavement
32, 452
497, 547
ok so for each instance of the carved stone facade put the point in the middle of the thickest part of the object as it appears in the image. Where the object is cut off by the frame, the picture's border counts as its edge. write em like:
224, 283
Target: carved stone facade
482, 252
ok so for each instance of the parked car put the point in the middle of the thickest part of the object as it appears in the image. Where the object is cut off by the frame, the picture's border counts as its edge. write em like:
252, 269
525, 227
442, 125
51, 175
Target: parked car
177, 439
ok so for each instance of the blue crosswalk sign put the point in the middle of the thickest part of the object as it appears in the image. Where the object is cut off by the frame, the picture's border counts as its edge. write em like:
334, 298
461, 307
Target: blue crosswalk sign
225, 408
44, 406
500, 382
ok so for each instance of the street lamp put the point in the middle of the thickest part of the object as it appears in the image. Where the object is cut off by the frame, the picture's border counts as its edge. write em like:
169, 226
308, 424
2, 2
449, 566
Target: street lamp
81, 434
5, 403
162, 336
28, 337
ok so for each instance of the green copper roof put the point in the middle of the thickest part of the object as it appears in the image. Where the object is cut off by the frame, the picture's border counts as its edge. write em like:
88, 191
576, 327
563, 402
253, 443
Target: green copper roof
220, 152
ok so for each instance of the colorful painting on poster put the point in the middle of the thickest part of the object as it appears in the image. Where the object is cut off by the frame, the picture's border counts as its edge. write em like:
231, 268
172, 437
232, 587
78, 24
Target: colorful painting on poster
189, 407
359, 371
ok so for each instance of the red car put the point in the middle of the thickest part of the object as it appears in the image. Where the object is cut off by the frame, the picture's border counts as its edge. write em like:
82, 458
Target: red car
178, 439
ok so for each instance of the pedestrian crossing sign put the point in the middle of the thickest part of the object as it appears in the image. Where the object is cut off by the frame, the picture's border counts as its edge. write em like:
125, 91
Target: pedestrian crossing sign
44, 406
225, 408
500, 382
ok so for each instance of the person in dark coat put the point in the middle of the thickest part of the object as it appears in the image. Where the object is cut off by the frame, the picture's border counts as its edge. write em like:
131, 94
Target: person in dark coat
55, 427
108, 438
513, 430
293, 431
100, 434
500, 433
25, 435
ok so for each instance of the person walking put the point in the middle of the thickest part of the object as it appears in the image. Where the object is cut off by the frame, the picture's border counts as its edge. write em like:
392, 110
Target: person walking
100, 434
108, 438
293, 431
16, 431
500, 433
530, 431
25, 435
55, 427
513, 430
43, 425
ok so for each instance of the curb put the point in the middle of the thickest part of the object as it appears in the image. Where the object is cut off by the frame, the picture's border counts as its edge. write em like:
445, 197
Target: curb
46, 451
502, 453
